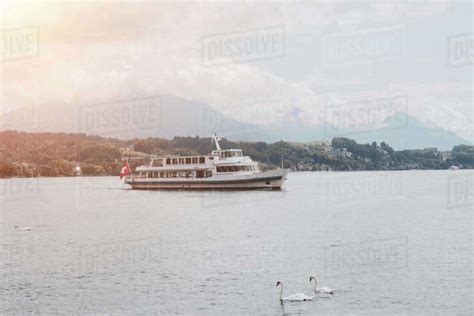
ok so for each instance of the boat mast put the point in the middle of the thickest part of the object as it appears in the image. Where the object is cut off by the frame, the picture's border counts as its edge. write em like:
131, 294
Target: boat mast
216, 140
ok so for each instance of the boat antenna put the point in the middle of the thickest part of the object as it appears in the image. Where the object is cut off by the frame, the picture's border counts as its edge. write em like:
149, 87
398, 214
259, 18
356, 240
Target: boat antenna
216, 140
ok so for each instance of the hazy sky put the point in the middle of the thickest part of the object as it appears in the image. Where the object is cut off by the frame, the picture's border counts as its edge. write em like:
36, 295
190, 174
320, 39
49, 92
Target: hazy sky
277, 59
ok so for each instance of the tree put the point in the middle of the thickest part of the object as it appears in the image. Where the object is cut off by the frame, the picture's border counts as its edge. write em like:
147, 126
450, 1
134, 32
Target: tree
7, 170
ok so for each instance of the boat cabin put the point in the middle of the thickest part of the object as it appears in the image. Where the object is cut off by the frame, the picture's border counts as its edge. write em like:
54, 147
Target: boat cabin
181, 160
178, 167
176, 174
228, 153
220, 161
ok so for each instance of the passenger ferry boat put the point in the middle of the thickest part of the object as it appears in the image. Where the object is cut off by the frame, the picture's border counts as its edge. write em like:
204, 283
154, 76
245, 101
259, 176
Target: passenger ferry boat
222, 169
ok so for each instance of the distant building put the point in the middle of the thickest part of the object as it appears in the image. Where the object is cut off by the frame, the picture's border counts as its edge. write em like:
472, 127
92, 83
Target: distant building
343, 153
445, 155
77, 171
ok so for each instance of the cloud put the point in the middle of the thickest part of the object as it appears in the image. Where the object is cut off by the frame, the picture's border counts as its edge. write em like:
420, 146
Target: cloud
129, 50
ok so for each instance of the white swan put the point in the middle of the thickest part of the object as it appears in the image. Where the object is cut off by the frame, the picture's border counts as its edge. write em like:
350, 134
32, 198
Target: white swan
317, 289
26, 229
298, 297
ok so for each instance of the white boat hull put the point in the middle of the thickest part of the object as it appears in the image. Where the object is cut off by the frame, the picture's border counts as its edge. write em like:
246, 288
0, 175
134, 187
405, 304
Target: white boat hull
272, 179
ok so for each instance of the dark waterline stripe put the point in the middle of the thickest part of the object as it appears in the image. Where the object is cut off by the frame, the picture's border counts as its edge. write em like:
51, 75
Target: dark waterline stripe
209, 182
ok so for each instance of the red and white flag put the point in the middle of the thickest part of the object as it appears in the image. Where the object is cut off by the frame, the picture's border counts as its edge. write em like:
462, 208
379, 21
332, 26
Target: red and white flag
125, 169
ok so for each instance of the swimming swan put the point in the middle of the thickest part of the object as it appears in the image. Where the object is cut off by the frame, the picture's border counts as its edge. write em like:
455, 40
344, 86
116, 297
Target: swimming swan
25, 229
325, 290
298, 297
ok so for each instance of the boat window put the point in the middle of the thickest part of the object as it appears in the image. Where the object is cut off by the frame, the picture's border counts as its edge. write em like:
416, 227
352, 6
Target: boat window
181, 161
211, 158
195, 160
209, 173
157, 162
188, 160
175, 161
202, 160
234, 168
168, 161
236, 154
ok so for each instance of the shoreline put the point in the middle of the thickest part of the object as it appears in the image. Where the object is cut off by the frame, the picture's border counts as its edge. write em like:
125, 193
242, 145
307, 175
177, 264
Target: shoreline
292, 171
32, 155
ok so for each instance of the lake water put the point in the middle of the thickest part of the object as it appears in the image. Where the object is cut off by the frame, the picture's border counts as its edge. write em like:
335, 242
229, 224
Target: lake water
387, 242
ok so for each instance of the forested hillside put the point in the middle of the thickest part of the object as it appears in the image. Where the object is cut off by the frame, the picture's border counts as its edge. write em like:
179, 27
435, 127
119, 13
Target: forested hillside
56, 154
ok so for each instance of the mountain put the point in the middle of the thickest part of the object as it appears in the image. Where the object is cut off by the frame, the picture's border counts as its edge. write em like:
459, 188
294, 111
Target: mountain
163, 116
167, 116
403, 131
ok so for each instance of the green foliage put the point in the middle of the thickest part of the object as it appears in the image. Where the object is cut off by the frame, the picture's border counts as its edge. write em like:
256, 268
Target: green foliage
7, 169
150, 145
463, 155
98, 153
